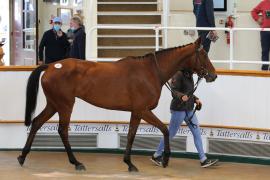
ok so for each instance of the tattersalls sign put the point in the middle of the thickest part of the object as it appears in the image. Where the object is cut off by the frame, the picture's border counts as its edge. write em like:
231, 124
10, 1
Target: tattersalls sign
144, 129
232, 134
77, 128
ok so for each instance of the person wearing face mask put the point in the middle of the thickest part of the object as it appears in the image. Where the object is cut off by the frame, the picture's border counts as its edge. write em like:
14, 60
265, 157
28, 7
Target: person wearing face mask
55, 43
77, 48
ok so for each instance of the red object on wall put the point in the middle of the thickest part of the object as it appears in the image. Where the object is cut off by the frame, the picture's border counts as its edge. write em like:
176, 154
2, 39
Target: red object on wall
229, 24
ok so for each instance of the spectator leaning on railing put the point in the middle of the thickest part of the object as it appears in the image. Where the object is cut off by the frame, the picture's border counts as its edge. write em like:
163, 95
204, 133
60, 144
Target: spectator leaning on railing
204, 12
261, 14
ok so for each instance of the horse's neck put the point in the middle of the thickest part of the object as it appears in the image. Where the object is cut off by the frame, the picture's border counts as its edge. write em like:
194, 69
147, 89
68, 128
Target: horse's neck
171, 62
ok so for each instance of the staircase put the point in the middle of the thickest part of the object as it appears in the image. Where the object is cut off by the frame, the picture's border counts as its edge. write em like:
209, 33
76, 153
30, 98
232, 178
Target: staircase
118, 43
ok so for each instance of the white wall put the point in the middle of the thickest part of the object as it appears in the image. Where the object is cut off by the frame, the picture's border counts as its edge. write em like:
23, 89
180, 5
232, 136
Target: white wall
90, 10
230, 101
247, 44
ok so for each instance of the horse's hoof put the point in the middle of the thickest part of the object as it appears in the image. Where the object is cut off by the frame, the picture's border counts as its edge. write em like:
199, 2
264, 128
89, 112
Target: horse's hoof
164, 164
80, 167
132, 169
21, 160
165, 161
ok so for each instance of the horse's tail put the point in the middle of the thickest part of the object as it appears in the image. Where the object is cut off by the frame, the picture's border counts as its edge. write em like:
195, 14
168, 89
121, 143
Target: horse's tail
31, 93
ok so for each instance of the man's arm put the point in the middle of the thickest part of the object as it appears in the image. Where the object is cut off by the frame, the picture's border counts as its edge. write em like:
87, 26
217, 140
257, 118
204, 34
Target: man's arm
194, 8
255, 13
81, 45
66, 44
64, 41
209, 5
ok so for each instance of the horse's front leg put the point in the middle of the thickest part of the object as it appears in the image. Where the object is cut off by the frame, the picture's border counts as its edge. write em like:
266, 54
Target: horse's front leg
133, 126
149, 117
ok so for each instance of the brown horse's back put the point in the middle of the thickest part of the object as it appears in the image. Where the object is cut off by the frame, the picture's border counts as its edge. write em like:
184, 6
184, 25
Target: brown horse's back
113, 85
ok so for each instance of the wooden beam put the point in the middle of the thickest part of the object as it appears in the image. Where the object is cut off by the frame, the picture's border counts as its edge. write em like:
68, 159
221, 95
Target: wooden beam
219, 71
143, 122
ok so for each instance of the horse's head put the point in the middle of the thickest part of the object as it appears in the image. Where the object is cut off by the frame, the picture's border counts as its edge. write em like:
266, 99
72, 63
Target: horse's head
201, 64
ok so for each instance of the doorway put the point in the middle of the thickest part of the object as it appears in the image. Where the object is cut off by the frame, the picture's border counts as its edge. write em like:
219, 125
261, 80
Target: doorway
5, 30
24, 32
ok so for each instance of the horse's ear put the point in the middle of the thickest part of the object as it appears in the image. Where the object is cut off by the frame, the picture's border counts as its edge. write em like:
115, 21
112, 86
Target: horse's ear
198, 43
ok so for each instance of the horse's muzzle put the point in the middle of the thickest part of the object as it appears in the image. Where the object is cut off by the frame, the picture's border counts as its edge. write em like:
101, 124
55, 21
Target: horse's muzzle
210, 77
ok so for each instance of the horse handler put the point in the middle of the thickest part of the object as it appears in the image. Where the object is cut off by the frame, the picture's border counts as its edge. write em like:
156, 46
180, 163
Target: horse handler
182, 104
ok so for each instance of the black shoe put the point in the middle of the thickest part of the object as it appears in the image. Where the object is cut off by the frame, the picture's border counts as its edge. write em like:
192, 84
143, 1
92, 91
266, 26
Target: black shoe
157, 160
265, 67
208, 162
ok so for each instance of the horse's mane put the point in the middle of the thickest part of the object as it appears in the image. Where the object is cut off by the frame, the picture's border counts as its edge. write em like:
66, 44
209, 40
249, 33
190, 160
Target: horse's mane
146, 56
162, 51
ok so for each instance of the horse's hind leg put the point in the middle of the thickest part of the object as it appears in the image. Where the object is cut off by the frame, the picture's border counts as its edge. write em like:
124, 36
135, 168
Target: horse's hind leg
133, 126
64, 119
149, 117
44, 116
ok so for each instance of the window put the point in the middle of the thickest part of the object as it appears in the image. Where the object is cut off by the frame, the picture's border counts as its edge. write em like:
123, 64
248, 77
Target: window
29, 25
220, 5
4, 30
64, 2
77, 2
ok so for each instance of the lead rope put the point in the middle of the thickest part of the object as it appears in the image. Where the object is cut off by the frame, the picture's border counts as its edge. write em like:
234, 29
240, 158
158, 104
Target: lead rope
189, 120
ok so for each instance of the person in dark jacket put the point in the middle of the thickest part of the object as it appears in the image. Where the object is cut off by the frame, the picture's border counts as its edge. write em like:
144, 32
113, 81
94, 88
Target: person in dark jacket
55, 43
182, 85
77, 49
204, 13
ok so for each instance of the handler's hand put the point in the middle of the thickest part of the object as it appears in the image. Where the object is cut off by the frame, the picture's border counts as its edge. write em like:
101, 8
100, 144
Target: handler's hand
184, 98
215, 34
199, 104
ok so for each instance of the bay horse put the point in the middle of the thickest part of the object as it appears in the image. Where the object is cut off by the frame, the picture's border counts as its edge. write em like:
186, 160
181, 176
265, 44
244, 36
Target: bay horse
131, 84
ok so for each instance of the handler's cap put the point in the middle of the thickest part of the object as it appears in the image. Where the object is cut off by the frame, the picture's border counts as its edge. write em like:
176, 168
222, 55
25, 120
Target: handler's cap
57, 19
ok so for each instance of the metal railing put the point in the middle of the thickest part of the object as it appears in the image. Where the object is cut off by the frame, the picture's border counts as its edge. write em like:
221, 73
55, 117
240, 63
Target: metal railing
231, 61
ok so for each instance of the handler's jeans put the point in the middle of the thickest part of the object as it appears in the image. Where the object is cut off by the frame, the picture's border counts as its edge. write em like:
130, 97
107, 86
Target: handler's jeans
265, 43
177, 118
